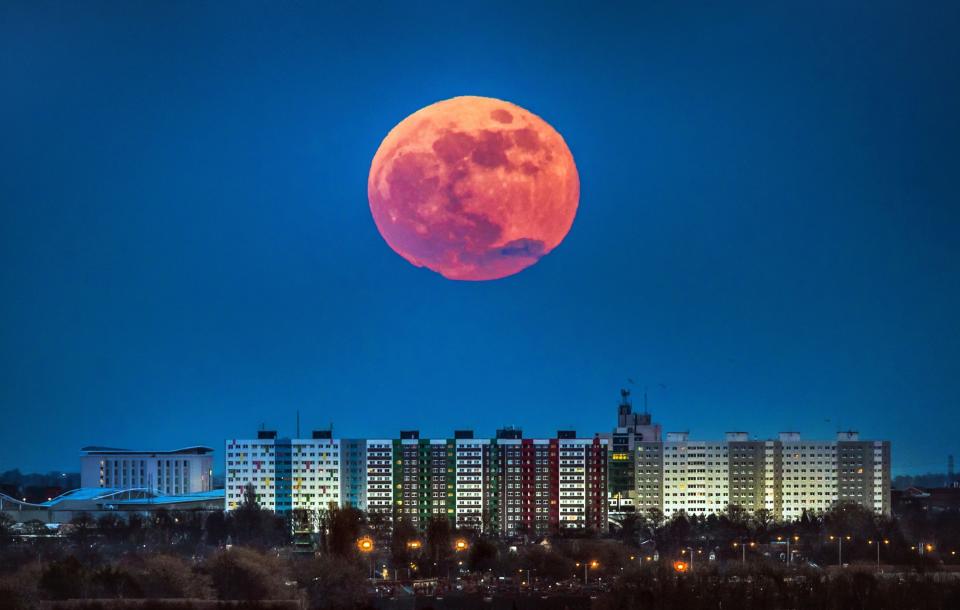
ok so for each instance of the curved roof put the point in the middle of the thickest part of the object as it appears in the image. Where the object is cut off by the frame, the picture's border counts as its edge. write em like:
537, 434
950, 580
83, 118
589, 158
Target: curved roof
195, 449
112, 495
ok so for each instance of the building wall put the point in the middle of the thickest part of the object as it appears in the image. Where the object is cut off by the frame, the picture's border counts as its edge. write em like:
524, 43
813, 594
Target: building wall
380, 478
785, 476
353, 473
251, 461
472, 473
695, 476
170, 473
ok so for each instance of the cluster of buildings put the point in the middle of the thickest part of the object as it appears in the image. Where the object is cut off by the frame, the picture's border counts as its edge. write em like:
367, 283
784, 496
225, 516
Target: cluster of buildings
506, 483
512, 484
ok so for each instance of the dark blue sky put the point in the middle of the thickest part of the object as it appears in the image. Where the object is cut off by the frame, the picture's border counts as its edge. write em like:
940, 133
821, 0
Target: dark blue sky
768, 224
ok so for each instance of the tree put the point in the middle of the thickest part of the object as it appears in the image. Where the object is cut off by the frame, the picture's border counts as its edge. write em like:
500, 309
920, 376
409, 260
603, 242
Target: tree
6, 527
217, 528
737, 515
438, 538
64, 579
81, 527
109, 581
245, 574
249, 519
403, 534
762, 519
334, 584
483, 555
628, 529
168, 577
111, 527
343, 529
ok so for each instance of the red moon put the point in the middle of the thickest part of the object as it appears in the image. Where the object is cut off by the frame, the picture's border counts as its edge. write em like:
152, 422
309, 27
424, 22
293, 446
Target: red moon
473, 188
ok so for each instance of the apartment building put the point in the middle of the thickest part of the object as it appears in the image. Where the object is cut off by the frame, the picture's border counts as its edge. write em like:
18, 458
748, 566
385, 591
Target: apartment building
286, 474
787, 476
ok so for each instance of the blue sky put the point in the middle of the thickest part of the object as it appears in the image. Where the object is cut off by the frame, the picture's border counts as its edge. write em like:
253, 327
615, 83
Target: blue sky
767, 234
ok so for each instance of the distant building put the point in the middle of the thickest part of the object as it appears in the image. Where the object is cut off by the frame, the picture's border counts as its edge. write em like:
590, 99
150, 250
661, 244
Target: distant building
285, 473
632, 429
786, 476
99, 501
176, 472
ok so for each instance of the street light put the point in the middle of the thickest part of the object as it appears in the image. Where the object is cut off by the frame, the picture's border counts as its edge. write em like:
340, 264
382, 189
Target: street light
586, 565
413, 545
743, 547
366, 546
878, 550
839, 540
461, 545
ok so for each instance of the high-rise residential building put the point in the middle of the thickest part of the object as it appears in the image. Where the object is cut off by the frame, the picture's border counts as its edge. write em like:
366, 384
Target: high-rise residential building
424, 478
551, 484
632, 429
285, 473
180, 471
695, 475
786, 476
380, 487
476, 486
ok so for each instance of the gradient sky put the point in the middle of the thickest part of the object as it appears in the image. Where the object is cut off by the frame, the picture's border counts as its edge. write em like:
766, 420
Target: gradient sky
768, 234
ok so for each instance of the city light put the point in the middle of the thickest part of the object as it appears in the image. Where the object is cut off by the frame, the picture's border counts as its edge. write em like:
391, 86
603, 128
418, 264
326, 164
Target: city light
365, 544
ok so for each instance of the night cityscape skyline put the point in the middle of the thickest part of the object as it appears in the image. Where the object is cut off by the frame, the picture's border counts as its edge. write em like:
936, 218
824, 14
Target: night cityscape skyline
381, 305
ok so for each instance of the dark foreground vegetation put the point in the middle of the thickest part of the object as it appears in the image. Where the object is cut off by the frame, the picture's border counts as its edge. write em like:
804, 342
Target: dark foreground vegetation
251, 557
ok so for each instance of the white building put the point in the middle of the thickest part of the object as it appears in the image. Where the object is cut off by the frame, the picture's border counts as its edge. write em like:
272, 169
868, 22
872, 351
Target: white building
786, 476
181, 471
472, 465
380, 478
286, 474
695, 475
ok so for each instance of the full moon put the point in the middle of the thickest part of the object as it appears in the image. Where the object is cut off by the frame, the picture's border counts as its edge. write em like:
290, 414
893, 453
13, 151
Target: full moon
474, 188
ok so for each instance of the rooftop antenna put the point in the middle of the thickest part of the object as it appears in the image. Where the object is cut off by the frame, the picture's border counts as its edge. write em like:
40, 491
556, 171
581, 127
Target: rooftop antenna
298, 423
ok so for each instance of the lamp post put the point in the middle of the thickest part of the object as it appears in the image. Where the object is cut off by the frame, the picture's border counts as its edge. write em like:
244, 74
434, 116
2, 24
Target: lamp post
789, 554
878, 550
366, 546
839, 540
586, 566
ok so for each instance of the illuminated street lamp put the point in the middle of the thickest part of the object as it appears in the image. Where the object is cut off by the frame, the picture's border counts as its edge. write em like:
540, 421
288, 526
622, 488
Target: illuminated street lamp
878, 550
365, 545
413, 545
839, 540
587, 565
461, 545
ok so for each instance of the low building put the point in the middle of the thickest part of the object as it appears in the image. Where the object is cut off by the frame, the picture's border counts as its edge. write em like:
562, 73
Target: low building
179, 471
98, 501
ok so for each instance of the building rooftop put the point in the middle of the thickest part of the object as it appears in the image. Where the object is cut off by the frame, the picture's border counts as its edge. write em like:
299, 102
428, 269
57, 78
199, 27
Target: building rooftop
194, 450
